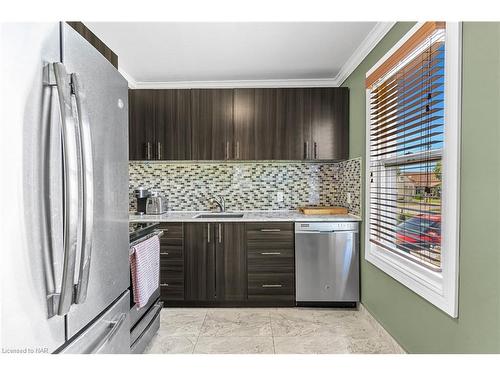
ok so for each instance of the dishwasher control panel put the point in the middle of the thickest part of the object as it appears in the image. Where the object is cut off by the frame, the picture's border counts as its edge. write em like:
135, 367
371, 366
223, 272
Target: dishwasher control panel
326, 226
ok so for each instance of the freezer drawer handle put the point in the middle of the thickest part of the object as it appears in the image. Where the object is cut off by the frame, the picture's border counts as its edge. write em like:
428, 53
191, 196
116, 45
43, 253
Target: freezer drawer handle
272, 285
115, 327
87, 175
271, 230
55, 75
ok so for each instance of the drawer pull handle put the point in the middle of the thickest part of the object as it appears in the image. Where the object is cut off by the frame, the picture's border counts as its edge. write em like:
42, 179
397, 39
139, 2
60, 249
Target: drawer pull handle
163, 253
272, 253
272, 285
270, 230
163, 284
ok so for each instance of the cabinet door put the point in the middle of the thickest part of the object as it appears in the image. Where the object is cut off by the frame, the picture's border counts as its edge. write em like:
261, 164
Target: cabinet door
294, 123
141, 124
173, 125
230, 270
199, 253
244, 124
266, 134
330, 123
212, 124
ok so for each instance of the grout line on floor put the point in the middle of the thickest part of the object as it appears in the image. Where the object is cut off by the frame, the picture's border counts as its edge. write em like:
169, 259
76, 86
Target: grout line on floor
199, 333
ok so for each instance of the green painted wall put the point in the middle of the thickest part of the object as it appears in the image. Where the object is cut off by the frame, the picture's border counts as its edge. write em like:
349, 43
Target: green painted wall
416, 324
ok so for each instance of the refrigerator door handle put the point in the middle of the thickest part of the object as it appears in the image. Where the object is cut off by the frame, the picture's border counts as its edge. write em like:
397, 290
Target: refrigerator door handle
115, 327
87, 190
57, 76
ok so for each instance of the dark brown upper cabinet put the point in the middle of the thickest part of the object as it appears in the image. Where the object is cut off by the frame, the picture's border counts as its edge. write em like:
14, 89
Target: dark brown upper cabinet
267, 138
97, 43
244, 124
293, 120
240, 124
172, 125
329, 123
141, 124
212, 124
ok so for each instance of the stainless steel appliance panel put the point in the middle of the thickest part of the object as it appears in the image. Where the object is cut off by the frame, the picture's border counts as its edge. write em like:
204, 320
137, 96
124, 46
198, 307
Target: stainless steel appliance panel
109, 334
104, 94
327, 262
31, 263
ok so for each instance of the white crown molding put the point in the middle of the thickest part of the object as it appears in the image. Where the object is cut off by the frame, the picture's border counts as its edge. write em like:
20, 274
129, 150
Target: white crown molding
366, 46
327, 82
375, 35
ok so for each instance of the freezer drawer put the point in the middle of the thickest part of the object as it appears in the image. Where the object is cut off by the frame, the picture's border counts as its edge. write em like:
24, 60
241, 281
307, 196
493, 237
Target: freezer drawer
109, 334
327, 262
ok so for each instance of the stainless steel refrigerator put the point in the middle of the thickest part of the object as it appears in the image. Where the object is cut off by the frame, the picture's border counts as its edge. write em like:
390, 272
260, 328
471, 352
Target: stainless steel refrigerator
65, 269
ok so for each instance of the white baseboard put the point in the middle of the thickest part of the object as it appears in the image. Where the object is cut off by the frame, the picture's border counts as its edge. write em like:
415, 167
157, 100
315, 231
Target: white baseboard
381, 331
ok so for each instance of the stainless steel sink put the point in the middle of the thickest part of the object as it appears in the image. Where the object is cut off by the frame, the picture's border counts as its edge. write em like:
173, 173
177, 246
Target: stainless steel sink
219, 215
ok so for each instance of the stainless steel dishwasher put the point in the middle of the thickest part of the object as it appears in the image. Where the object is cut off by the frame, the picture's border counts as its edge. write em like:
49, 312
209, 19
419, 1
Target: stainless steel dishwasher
327, 263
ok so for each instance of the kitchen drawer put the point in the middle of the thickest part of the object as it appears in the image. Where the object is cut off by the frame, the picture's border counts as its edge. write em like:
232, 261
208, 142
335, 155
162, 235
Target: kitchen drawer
272, 264
171, 252
266, 235
172, 290
168, 266
272, 260
174, 230
262, 286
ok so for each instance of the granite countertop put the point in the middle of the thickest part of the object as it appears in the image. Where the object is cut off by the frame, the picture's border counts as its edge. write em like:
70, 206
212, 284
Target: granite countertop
248, 216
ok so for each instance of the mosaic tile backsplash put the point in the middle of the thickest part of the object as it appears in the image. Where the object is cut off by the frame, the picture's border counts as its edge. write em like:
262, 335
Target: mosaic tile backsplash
249, 186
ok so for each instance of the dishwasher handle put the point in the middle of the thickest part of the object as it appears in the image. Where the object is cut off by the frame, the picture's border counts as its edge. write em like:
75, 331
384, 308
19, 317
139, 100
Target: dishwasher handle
325, 231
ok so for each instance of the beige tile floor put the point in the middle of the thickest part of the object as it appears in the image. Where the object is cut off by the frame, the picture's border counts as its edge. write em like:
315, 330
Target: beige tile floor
266, 331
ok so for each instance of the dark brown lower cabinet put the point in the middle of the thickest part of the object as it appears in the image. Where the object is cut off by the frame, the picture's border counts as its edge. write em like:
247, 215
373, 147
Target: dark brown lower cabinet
200, 262
172, 262
228, 264
215, 262
231, 262
271, 262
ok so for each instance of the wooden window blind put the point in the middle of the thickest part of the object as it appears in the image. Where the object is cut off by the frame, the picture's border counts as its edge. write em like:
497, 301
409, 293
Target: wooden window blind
406, 136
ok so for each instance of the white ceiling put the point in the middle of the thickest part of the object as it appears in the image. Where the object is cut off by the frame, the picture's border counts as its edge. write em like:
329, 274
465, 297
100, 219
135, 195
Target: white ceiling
175, 52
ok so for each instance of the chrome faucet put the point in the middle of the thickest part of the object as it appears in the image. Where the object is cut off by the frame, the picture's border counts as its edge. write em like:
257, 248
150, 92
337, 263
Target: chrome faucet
221, 202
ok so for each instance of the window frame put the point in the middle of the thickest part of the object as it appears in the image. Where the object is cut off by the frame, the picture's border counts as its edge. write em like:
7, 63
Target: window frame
439, 288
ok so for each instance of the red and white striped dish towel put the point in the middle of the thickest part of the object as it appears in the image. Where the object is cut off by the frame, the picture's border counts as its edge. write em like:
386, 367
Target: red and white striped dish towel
145, 269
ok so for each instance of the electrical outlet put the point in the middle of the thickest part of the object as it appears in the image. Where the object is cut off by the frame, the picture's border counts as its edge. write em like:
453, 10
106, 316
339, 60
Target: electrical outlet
348, 198
279, 196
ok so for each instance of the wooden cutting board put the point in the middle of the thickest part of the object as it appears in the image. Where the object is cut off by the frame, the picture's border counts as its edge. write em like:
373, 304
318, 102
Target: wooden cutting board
323, 210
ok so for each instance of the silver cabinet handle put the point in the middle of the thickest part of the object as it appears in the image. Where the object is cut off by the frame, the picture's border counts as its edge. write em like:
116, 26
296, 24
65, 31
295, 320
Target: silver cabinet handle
306, 155
238, 150
57, 76
158, 150
163, 253
115, 327
227, 150
315, 150
164, 284
88, 191
220, 233
271, 253
148, 150
272, 285
208, 232
270, 230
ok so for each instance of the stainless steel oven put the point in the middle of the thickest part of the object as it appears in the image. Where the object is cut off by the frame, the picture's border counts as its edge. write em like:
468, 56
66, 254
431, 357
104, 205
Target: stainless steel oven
144, 321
